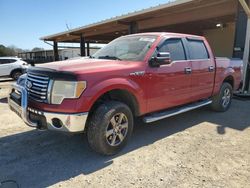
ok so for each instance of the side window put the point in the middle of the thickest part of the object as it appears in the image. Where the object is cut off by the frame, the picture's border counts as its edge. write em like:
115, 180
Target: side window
197, 49
4, 61
175, 48
12, 60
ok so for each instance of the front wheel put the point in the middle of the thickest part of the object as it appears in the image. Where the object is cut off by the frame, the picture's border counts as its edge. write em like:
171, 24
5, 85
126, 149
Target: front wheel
110, 127
222, 101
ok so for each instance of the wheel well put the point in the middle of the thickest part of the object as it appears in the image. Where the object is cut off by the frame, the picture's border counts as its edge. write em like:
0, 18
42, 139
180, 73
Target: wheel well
229, 80
15, 70
118, 95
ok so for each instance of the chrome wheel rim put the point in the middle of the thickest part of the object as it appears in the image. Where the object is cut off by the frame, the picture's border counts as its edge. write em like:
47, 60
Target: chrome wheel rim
117, 129
226, 98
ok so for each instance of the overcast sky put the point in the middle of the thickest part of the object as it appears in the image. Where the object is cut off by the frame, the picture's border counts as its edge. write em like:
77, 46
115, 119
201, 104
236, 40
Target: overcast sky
23, 22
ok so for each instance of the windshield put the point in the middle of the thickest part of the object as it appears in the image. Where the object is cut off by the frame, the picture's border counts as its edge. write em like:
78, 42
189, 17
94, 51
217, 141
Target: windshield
130, 48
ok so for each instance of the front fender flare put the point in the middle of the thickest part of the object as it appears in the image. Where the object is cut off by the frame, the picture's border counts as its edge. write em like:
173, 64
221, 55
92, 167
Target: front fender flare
96, 91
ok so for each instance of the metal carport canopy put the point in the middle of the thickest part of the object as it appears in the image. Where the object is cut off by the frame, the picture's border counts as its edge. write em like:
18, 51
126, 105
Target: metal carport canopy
151, 19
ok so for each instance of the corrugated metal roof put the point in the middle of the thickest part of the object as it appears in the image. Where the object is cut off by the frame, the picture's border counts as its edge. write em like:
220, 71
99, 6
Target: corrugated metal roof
158, 18
170, 3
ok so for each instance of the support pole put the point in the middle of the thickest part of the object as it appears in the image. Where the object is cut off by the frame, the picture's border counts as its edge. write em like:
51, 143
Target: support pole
82, 46
45, 54
55, 50
88, 51
133, 28
246, 59
240, 33
246, 55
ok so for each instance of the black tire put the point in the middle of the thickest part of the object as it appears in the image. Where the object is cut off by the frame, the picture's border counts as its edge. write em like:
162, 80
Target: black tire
218, 100
16, 74
100, 122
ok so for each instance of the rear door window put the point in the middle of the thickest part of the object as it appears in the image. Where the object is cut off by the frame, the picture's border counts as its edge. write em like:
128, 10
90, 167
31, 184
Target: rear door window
197, 49
175, 48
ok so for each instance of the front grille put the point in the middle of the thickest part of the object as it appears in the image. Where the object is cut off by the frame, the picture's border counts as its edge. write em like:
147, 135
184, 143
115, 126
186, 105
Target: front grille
37, 87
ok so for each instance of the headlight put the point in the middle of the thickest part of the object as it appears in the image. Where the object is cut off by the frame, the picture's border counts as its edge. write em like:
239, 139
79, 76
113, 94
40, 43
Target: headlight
66, 90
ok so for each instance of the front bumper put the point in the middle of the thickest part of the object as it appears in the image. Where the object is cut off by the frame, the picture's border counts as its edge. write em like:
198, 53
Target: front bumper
44, 120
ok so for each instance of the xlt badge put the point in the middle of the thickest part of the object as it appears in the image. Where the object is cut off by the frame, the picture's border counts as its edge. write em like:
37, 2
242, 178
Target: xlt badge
138, 73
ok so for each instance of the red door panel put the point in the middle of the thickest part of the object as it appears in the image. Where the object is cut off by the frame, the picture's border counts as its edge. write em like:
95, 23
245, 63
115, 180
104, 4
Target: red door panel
202, 79
168, 86
203, 68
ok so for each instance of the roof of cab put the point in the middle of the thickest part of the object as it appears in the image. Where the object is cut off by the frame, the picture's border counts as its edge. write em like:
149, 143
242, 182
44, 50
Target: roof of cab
168, 34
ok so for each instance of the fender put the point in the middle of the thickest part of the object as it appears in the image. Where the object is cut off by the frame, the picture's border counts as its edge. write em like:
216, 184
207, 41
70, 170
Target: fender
91, 95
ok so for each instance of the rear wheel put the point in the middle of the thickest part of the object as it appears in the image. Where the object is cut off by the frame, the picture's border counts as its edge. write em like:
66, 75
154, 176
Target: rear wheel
16, 74
222, 101
110, 127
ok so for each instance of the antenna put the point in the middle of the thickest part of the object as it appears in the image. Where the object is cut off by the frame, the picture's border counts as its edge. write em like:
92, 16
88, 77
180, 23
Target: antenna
67, 25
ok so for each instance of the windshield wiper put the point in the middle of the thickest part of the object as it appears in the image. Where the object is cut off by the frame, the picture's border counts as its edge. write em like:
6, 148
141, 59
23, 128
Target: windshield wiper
109, 57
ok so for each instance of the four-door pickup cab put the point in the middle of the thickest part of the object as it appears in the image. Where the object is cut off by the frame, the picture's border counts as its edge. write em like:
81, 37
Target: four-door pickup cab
151, 75
12, 67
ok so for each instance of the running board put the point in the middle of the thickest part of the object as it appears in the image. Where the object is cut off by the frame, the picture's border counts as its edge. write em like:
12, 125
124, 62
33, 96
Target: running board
172, 112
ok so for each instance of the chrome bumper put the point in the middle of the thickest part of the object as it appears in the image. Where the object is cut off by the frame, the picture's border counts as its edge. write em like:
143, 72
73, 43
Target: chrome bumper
68, 122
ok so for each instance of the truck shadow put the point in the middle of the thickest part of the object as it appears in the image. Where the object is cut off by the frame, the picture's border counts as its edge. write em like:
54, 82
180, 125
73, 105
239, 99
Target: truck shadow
3, 100
42, 159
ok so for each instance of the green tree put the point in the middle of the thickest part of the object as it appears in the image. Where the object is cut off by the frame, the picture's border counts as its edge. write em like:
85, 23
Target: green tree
10, 50
5, 51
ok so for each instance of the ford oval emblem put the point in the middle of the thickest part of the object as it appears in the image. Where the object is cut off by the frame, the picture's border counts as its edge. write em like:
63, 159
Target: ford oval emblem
29, 84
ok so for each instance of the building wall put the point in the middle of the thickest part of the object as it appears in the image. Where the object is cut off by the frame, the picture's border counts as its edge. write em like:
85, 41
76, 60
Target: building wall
48, 55
68, 53
221, 40
71, 53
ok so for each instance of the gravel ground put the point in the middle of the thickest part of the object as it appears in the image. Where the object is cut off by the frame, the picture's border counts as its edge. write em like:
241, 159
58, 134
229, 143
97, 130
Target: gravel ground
196, 149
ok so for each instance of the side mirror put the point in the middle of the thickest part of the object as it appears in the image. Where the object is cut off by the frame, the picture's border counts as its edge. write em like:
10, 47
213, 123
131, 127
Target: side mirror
162, 58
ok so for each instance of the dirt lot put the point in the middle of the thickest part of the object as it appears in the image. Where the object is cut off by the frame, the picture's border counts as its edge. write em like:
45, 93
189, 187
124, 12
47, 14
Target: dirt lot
196, 149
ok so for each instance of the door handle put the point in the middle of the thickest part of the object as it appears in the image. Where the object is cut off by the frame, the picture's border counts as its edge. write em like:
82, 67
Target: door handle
188, 70
211, 68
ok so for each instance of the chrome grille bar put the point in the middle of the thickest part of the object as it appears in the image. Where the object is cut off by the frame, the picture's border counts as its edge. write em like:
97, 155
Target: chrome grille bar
37, 80
40, 85
38, 77
37, 87
36, 92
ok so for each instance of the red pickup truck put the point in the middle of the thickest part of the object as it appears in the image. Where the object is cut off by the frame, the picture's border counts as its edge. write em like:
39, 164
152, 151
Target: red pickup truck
151, 75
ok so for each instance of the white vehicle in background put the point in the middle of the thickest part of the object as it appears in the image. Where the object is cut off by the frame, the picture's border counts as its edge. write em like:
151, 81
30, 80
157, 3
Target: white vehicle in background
12, 67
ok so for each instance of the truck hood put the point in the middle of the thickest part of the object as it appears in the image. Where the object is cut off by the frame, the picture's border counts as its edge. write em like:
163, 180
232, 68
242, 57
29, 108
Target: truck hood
87, 65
